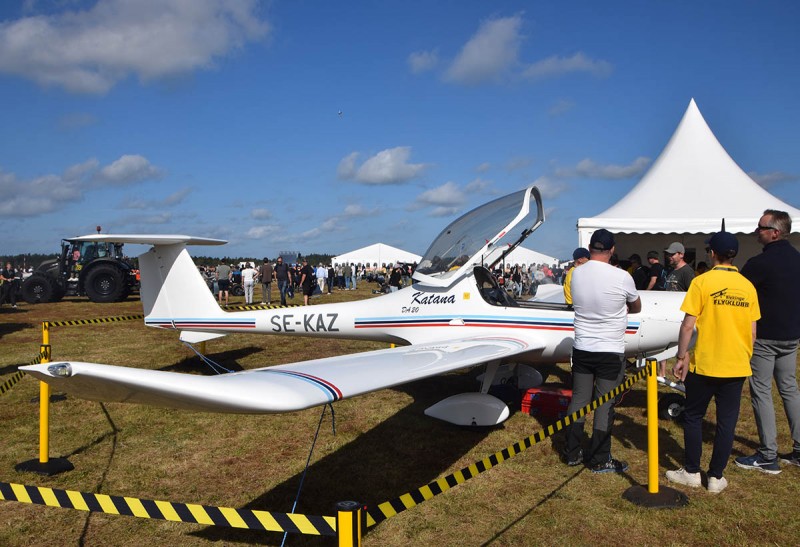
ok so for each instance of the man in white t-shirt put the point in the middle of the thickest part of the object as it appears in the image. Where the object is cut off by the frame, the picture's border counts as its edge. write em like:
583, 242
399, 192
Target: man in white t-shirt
602, 297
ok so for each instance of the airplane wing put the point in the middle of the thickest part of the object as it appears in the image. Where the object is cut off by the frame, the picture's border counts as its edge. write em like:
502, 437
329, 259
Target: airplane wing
281, 388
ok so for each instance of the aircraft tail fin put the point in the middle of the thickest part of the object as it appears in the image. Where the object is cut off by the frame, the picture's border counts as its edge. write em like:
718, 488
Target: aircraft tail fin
174, 293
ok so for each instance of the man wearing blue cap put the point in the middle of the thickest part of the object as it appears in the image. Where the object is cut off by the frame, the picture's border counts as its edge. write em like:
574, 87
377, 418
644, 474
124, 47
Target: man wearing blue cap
602, 296
723, 305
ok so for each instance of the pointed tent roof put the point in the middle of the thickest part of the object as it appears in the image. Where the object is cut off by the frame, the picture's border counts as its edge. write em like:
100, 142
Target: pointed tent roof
694, 179
377, 252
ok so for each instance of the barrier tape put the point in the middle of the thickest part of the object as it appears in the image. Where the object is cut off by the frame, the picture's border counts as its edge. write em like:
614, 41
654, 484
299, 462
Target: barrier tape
100, 320
390, 508
17, 376
261, 307
165, 510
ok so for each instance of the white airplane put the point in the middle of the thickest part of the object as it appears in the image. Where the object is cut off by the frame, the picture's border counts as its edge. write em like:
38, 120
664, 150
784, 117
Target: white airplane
453, 316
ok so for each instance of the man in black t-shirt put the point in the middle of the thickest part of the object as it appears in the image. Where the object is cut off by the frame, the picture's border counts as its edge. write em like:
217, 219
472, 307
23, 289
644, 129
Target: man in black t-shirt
639, 273
657, 276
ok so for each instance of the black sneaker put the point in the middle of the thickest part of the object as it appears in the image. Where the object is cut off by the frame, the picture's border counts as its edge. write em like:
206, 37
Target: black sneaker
575, 462
611, 466
792, 458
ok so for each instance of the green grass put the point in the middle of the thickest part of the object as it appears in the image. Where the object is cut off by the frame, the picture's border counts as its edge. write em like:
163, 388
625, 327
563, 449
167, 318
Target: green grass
384, 446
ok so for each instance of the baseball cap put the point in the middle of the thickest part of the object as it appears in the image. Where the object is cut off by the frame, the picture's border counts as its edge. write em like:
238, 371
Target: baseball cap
580, 252
653, 254
635, 258
602, 240
675, 247
723, 243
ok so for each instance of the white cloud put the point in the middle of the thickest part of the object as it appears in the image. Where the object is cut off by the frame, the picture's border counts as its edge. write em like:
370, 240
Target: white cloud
558, 66
484, 167
128, 169
177, 197
767, 180
560, 107
91, 50
138, 202
588, 168
260, 214
261, 232
446, 200
48, 193
389, 166
490, 54
550, 188
355, 210
479, 186
423, 61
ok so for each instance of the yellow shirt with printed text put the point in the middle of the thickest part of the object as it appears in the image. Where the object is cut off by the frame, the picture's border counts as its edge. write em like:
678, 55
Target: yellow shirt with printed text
567, 288
726, 305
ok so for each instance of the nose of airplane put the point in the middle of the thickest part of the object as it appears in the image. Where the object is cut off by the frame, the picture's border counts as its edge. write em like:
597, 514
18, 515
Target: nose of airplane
659, 320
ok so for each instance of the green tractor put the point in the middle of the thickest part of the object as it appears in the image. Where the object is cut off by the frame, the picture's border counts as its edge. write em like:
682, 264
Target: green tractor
97, 270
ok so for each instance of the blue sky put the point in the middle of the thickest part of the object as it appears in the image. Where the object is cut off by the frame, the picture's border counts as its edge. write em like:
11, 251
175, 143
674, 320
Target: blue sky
327, 126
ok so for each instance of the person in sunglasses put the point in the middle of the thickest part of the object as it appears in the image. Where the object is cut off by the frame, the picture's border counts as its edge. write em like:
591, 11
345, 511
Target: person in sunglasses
776, 276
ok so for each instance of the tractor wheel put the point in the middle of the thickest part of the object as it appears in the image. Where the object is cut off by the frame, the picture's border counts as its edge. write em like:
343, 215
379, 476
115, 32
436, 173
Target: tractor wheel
670, 406
37, 289
237, 290
104, 283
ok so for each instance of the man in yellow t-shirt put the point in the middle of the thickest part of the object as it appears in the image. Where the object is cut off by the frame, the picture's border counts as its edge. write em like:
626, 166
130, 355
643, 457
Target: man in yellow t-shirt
723, 305
579, 256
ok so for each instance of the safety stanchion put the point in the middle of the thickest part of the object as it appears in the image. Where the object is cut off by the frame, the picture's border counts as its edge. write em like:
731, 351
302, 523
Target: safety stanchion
349, 523
653, 496
45, 465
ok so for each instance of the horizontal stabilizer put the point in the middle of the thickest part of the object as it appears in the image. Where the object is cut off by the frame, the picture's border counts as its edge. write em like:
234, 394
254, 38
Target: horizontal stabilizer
151, 239
194, 337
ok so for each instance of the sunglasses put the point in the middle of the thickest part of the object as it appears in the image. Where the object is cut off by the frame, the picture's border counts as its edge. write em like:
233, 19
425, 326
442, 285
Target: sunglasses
761, 228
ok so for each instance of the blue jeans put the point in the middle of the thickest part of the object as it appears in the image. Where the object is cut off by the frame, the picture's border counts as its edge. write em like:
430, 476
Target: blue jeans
283, 287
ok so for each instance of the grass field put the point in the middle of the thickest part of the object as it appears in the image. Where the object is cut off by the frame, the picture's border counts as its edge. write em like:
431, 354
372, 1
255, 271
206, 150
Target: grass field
383, 446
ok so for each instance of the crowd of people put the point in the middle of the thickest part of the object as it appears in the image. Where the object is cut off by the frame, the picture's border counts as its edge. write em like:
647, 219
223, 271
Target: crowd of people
747, 326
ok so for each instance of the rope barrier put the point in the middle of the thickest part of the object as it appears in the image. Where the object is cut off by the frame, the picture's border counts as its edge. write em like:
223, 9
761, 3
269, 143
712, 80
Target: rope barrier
100, 320
165, 510
390, 508
6, 386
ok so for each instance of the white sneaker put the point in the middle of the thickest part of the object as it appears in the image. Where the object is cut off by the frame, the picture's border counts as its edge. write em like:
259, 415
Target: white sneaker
681, 476
715, 485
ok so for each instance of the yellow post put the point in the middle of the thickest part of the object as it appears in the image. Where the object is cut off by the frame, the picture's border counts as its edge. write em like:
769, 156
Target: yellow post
348, 523
44, 400
652, 427
203, 347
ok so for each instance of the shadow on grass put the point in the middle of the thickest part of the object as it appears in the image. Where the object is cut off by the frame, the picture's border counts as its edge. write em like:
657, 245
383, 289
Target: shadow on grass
8, 328
402, 453
225, 359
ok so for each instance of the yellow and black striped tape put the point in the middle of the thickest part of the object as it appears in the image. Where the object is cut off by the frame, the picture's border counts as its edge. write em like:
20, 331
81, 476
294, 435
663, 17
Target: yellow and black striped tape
100, 320
261, 307
6, 386
397, 505
165, 510
11, 382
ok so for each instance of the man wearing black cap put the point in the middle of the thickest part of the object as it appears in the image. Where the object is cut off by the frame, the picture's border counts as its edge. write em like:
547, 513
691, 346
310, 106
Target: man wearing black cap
579, 256
723, 305
602, 296
776, 276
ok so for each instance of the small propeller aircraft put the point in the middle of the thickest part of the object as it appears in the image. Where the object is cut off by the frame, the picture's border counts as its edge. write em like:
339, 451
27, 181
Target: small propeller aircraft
453, 316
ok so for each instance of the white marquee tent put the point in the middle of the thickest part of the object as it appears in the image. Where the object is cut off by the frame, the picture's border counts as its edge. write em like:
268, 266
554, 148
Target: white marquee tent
692, 185
378, 253
521, 255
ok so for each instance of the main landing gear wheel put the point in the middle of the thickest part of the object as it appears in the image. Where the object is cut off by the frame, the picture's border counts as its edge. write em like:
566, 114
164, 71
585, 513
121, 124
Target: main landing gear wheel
670, 406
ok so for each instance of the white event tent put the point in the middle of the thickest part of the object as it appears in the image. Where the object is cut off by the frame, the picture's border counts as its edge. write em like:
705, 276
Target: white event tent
684, 195
521, 255
378, 254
